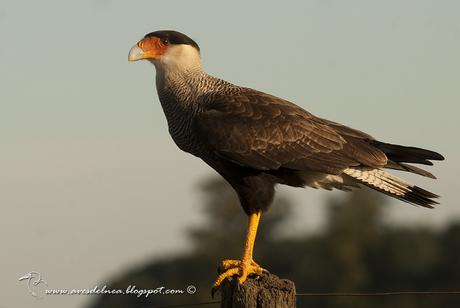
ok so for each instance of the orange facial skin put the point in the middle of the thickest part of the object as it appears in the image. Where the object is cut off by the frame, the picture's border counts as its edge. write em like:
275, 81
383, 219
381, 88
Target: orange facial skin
152, 47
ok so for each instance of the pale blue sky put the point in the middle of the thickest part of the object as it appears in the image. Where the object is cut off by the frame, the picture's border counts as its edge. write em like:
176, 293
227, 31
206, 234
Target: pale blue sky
85, 142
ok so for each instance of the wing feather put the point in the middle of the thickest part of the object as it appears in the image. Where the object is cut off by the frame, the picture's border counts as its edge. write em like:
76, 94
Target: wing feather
261, 131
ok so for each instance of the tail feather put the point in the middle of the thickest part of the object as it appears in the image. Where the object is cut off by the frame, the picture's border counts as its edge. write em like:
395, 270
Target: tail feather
409, 168
393, 186
399, 153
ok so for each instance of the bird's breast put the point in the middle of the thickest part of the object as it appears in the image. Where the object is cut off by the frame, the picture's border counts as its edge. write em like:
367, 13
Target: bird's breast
181, 124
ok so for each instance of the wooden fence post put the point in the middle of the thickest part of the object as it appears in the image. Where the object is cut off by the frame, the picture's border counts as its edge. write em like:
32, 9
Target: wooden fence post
266, 291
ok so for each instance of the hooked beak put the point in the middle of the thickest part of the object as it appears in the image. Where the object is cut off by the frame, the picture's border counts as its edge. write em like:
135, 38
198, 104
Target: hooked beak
147, 48
136, 53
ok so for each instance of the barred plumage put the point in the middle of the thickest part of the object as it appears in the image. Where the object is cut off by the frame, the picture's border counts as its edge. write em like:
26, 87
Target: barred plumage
256, 140
391, 185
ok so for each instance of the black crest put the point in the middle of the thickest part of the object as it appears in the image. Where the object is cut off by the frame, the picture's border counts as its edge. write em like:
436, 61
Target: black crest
174, 37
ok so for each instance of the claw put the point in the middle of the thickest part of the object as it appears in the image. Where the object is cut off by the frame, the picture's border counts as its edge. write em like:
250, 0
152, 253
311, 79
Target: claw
230, 268
227, 264
246, 266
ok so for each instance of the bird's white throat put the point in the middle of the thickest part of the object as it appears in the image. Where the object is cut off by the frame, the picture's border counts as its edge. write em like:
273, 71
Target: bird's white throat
179, 68
179, 58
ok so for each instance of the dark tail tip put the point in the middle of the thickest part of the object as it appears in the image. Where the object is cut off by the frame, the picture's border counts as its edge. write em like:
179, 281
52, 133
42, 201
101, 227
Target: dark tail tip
420, 196
400, 153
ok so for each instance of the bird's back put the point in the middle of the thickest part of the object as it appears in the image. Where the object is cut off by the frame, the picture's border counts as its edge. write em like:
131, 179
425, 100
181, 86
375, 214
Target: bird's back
255, 130
256, 140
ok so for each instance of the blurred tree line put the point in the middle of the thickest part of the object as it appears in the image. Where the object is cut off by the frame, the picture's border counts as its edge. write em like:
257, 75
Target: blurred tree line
355, 252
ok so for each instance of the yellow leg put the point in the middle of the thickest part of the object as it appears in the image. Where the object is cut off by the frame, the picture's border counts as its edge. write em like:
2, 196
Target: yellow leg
246, 266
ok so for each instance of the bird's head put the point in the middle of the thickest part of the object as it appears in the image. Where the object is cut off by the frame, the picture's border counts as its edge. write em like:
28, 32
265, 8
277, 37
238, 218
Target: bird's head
166, 48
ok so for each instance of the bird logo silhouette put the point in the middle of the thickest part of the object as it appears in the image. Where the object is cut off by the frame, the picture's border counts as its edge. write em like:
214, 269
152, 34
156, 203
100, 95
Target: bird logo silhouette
34, 279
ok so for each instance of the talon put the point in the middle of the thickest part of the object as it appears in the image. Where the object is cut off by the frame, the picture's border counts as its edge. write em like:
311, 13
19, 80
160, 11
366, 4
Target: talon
227, 274
213, 291
245, 267
226, 264
230, 268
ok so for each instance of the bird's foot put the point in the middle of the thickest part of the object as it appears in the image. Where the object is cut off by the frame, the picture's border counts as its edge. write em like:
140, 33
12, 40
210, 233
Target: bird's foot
242, 269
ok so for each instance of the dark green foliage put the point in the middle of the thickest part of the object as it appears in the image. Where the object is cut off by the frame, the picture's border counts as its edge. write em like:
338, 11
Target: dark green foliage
355, 252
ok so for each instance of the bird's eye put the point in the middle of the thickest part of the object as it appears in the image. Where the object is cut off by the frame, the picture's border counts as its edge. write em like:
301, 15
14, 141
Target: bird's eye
165, 41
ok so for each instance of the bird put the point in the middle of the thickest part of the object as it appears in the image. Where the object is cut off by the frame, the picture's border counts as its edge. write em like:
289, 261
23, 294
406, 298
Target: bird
256, 141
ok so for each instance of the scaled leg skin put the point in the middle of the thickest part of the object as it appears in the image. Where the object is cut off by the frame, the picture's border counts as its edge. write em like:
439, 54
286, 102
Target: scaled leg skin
246, 266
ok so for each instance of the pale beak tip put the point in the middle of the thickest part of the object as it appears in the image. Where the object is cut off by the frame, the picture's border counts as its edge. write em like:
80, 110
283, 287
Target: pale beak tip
136, 53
